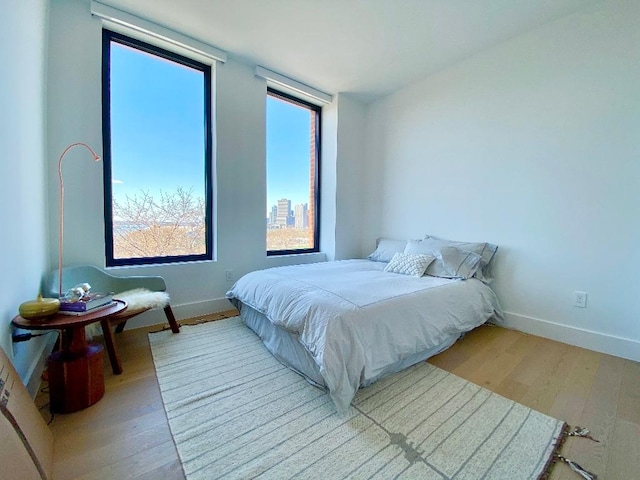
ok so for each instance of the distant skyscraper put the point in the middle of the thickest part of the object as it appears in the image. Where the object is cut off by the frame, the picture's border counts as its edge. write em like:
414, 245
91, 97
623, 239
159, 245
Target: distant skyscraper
283, 212
301, 216
273, 215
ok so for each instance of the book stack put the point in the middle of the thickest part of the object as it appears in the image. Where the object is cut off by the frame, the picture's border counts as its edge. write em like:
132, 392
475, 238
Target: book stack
87, 304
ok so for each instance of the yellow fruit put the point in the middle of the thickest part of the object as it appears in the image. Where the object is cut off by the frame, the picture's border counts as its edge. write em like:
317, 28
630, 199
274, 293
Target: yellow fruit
41, 307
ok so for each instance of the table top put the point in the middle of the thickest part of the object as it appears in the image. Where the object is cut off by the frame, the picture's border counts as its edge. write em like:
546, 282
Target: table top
60, 321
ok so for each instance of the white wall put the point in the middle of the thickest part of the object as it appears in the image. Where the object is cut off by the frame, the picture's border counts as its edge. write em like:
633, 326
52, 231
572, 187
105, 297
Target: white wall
23, 39
350, 166
240, 170
341, 177
533, 145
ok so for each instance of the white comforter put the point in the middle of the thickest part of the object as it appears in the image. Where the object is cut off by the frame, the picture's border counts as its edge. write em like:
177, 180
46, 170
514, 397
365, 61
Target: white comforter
355, 319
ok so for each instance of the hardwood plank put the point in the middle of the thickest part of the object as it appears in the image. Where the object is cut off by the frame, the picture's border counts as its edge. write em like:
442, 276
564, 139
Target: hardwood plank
110, 434
125, 403
571, 400
487, 348
140, 464
629, 403
555, 366
600, 416
129, 449
511, 389
168, 471
623, 459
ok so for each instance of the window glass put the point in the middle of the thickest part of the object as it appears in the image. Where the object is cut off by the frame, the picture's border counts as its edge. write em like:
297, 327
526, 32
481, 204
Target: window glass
293, 139
157, 144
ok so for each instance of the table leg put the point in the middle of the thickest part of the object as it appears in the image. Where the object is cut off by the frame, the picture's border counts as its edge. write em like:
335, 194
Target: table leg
76, 373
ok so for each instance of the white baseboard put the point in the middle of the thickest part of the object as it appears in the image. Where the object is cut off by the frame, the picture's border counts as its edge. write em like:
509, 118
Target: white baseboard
579, 337
187, 310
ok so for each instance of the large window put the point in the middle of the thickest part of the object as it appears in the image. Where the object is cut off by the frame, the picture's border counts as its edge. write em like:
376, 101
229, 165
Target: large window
293, 162
157, 154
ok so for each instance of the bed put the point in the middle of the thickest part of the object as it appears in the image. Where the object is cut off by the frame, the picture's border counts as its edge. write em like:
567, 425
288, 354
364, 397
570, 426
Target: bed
345, 324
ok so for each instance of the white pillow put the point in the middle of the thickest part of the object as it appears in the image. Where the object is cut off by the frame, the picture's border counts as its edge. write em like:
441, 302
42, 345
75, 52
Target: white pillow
386, 248
414, 264
486, 251
450, 262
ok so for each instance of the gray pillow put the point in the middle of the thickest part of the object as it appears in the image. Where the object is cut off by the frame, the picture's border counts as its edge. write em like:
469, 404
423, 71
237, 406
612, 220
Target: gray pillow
386, 249
450, 262
486, 251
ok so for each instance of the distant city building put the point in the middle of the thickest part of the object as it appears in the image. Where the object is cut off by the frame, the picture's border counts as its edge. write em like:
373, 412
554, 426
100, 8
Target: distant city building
301, 216
284, 217
281, 215
273, 215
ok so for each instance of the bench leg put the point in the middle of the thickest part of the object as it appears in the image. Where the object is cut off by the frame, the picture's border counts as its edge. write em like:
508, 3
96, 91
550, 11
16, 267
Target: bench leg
110, 343
172, 320
120, 326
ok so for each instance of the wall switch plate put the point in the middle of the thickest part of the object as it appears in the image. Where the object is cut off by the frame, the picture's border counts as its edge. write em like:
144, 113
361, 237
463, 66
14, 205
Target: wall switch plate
580, 299
228, 275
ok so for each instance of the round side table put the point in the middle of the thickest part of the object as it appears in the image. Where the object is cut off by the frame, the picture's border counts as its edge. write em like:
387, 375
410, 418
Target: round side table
76, 371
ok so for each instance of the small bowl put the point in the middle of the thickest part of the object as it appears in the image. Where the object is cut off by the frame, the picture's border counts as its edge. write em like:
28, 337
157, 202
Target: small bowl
40, 307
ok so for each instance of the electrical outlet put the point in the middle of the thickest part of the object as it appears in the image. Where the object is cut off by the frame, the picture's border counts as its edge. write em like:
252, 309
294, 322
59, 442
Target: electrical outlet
228, 275
580, 299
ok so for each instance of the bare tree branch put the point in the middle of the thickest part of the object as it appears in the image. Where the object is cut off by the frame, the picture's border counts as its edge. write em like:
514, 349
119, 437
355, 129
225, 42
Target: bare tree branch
171, 225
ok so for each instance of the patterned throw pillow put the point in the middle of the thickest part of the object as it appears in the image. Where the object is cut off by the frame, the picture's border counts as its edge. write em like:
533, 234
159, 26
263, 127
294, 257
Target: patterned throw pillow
409, 264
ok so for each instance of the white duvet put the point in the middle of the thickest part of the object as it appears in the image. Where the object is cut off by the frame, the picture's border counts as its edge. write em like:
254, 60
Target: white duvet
355, 319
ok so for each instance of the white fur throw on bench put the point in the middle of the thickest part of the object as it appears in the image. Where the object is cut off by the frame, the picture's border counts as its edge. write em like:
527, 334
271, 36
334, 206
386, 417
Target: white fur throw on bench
138, 300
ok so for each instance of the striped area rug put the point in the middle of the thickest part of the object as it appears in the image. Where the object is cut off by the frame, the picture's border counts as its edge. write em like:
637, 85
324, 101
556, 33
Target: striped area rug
236, 412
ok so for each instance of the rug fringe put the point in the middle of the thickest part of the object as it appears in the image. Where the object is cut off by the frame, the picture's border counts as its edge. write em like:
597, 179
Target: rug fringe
578, 469
546, 472
565, 433
581, 432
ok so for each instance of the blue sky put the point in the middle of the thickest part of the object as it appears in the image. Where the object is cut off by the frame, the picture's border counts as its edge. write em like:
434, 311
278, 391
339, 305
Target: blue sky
288, 148
157, 132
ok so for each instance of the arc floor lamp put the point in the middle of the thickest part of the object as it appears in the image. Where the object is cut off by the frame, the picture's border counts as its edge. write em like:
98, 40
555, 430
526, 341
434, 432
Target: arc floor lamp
96, 158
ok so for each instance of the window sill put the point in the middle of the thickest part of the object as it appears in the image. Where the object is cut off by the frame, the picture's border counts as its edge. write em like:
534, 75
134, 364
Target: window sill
295, 258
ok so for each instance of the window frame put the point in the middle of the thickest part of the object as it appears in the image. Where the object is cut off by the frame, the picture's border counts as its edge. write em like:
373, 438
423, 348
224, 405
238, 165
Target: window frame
272, 92
109, 37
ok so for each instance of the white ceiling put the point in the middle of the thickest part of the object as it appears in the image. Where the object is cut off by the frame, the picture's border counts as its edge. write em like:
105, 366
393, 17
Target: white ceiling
366, 47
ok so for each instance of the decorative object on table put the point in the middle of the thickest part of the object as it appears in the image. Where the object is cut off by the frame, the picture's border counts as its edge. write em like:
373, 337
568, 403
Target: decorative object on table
76, 293
80, 310
96, 158
422, 422
80, 300
39, 308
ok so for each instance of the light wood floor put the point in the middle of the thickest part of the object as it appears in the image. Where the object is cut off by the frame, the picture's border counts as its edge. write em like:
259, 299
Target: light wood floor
126, 435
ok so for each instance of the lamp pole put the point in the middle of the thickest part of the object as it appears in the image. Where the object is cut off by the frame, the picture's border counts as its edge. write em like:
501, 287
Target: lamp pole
96, 158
